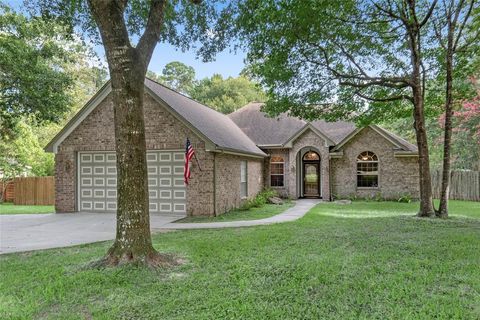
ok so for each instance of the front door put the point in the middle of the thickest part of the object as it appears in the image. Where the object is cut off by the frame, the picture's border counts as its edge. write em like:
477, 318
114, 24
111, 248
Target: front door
311, 179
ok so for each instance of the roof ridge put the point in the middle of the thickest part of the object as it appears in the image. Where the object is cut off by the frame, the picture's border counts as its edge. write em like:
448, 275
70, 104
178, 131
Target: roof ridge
244, 107
184, 95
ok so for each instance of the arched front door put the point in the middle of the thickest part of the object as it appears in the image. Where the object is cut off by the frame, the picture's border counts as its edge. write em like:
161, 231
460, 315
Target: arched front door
311, 174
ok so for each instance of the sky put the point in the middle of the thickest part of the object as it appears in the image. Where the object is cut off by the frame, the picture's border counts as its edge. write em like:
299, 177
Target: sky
226, 63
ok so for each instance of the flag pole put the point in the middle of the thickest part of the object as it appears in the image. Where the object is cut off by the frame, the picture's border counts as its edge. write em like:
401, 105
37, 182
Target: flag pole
196, 159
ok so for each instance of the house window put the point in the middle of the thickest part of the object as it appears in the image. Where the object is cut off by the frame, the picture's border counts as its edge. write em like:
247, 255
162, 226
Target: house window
277, 171
367, 170
243, 179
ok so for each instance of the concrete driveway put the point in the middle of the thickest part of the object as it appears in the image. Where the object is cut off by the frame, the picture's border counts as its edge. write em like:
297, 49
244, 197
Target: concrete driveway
25, 232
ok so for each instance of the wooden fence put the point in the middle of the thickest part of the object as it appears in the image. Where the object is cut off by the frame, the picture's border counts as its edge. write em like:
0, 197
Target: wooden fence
464, 184
33, 191
9, 189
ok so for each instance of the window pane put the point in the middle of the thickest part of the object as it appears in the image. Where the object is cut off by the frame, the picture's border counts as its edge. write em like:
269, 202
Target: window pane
276, 159
243, 179
367, 168
311, 156
276, 180
367, 156
368, 181
243, 171
243, 189
276, 168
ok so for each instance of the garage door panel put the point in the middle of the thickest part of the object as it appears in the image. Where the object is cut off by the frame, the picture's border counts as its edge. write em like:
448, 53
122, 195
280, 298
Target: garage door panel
98, 182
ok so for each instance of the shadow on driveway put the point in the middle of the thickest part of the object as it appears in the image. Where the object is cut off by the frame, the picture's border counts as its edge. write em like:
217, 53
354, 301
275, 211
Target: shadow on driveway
26, 232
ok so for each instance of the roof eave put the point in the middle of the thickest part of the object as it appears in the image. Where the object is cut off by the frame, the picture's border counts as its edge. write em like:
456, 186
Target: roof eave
405, 154
289, 142
219, 149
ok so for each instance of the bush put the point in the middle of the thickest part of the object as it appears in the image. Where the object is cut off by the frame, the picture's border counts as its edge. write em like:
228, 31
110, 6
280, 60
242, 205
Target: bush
259, 200
406, 198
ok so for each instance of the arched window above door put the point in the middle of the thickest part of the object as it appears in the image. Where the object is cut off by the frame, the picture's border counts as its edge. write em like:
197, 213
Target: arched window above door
311, 156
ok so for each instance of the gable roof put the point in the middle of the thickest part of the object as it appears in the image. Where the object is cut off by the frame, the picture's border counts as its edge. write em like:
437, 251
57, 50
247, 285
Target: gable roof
401, 145
281, 131
263, 130
278, 131
216, 128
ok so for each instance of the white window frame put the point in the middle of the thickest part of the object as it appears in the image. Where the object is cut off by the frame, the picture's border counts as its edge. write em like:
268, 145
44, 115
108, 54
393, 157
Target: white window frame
377, 173
243, 179
277, 174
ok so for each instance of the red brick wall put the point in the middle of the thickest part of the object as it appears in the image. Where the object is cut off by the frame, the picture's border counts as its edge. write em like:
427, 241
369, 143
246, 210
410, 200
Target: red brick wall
163, 132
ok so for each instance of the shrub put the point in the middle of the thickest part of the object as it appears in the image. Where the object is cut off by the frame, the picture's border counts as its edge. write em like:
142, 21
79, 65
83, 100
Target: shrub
259, 200
406, 198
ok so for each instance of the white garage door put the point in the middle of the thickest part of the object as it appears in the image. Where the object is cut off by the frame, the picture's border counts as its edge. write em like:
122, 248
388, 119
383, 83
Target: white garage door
97, 182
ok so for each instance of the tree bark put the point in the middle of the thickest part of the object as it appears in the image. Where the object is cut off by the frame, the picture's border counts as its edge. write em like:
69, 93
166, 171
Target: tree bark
418, 90
445, 190
128, 66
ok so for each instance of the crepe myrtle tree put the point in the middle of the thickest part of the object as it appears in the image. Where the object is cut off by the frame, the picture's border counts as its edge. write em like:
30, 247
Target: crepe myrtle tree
367, 60
129, 32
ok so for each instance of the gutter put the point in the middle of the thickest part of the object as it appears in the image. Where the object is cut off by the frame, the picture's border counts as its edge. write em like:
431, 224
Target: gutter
237, 152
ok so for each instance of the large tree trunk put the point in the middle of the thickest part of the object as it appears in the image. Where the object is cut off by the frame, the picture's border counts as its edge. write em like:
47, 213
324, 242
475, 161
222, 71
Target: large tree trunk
128, 66
443, 209
426, 195
133, 240
418, 89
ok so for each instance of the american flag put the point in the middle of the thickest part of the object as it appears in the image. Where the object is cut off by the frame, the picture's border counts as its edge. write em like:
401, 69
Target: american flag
189, 153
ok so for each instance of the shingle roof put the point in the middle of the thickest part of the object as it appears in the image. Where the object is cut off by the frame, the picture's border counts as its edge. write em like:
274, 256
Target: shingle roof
264, 130
217, 127
241, 131
407, 146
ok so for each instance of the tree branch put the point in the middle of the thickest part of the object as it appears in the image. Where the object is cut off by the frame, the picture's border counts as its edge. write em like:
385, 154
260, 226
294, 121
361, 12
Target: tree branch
387, 99
428, 15
151, 35
464, 22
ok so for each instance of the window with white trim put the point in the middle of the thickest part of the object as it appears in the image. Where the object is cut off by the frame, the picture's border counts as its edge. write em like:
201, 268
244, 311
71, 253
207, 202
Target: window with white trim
367, 170
277, 171
243, 179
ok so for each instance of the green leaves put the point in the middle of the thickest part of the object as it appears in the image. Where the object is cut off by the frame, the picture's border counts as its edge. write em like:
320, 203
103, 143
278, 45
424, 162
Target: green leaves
33, 81
226, 95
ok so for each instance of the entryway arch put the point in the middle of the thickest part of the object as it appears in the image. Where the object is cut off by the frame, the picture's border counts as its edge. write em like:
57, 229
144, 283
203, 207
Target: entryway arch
309, 172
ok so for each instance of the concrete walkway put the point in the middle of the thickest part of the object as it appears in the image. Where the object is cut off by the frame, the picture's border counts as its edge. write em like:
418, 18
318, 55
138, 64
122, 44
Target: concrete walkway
299, 210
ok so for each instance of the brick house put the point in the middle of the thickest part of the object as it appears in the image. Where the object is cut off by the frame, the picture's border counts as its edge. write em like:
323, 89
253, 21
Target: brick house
239, 155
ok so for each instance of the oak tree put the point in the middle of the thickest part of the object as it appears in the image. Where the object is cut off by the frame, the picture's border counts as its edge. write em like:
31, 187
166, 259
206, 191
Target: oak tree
361, 60
129, 32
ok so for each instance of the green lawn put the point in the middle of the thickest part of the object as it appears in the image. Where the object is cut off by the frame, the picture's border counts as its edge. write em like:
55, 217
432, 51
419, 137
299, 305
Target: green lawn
266, 211
10, 208
358, 261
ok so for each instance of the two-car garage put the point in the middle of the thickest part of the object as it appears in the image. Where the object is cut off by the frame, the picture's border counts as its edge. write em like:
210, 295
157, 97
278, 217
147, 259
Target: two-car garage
97, 182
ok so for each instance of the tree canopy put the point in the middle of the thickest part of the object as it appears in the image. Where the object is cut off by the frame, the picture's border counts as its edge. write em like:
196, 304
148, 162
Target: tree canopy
227, 95
222, 94
34, 57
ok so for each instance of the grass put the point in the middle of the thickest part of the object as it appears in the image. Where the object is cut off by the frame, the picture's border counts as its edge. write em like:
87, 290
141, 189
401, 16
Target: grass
10, 208
265, 211
358, 261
